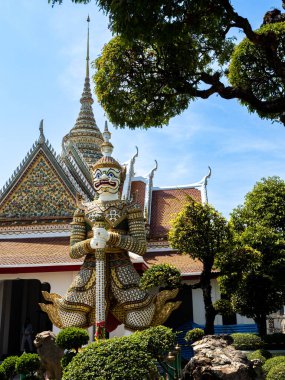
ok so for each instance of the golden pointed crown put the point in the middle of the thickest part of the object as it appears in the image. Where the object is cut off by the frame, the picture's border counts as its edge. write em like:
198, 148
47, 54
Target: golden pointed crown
107, 160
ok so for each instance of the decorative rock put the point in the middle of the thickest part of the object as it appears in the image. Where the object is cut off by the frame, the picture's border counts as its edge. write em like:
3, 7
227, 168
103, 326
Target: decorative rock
215, 358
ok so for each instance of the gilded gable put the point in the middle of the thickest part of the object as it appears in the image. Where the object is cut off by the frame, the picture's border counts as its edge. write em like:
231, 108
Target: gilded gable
40, 192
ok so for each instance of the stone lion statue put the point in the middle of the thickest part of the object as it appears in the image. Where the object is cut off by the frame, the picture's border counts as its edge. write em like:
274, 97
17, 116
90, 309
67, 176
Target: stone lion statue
50, 355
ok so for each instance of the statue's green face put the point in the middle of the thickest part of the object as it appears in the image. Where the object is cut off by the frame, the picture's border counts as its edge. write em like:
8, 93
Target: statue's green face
107, 180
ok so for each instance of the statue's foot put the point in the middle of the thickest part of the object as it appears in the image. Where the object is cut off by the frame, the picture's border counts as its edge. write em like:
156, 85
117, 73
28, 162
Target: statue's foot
65, 314
164, 307
140, 319
52, 309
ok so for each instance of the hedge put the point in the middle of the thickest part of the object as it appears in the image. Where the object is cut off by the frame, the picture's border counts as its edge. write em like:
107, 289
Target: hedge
72, 338
247, 341
158, 341
9, 366
262, 355
2, 373
277, 372
194, 335
273, 362
114, 359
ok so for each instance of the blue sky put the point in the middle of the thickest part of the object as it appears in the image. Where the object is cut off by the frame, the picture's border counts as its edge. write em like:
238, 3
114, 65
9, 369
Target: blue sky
42, 71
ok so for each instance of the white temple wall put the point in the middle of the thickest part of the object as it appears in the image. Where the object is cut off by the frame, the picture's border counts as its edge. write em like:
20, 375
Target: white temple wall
199, 309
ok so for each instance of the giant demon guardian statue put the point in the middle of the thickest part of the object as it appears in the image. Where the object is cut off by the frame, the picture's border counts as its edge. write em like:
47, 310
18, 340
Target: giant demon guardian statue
107, 285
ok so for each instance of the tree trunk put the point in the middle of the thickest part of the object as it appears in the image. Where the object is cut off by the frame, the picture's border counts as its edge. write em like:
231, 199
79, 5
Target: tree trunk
260, 321
210, 312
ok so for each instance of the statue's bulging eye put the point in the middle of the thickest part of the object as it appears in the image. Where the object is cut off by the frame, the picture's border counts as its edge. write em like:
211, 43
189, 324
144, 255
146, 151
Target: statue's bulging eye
110, 175
97, 175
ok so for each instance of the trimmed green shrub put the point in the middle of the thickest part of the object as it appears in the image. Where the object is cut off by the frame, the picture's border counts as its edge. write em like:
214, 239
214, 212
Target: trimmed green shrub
247, 341
194, 335
113, 359
223, 307
262, 355
2, 373
273, 362
9, 366
163, 275
266, 354
72, 338
67, 357
158, 341
277, 372
28, 364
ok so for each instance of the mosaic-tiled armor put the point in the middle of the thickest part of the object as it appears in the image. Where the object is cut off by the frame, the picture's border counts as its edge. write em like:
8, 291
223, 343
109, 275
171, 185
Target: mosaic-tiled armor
124, 298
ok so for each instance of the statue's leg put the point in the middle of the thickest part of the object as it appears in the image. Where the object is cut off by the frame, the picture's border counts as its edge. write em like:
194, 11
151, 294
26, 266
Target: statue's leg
137, 304
75, 307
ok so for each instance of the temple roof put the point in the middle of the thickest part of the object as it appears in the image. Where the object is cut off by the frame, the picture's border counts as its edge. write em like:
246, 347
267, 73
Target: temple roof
166, 203
44, 252
40, 187
184, 263
35, 251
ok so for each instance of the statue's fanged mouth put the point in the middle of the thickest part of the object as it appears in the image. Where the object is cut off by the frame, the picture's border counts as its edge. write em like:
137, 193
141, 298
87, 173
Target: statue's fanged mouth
105, 183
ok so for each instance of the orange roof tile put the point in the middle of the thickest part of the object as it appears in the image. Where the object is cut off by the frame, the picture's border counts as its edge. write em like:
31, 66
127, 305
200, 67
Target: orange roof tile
165, 206
55, 251
35, 251
182, 262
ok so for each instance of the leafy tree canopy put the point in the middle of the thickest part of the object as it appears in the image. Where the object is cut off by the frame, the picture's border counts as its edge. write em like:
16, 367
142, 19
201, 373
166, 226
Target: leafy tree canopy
265, 205
168, 53
163, 275
202, 233
253, 274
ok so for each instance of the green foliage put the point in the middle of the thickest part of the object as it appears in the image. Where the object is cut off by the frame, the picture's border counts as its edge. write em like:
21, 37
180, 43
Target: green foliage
72, 338
262, 355
223, 307
252, 273
202, 233
277, 372
158, 341
9, 366
164, 275
247, 341
168, 53
194, 335
272, 362
28, 364
264, 205
130, 95
114, 359
251, 68
2, 373
67, 357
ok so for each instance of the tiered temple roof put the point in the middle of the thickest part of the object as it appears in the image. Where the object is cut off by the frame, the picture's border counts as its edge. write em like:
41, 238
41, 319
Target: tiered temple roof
83, 142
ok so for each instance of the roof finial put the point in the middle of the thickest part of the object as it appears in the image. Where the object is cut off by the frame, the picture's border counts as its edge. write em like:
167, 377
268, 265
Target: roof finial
106, 147
41, 128
87, 56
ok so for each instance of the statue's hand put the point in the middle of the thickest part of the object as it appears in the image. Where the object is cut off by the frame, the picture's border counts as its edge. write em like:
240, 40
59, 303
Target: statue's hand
97, 243
101, 233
